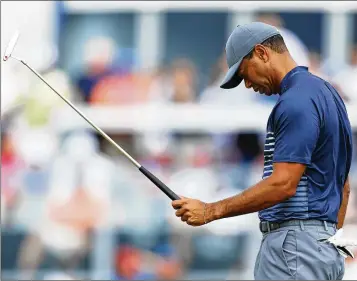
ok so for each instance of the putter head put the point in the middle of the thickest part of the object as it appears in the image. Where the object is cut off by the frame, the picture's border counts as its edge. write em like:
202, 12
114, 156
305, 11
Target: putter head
11, 46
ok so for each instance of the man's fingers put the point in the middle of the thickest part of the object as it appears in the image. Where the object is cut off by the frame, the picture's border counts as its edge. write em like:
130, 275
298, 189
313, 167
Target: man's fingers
178, 203
185, 217
190, 221
180, 212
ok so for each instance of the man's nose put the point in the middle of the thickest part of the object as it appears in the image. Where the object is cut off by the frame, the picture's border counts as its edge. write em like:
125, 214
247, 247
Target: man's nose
248, 84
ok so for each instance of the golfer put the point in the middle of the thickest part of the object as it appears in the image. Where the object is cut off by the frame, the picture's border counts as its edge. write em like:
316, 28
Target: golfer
303, 194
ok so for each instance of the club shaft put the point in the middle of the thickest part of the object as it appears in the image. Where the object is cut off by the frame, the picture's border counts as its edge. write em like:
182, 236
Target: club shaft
163, 187
172, 195
132, 160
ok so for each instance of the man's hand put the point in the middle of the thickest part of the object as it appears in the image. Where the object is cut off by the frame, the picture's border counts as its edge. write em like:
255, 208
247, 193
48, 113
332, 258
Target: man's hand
191, 211
280, 186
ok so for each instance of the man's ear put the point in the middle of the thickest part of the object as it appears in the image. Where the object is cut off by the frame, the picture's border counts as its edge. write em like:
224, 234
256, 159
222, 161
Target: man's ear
262, 53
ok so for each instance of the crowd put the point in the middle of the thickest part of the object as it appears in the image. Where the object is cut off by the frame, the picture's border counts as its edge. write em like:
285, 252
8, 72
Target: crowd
64, 196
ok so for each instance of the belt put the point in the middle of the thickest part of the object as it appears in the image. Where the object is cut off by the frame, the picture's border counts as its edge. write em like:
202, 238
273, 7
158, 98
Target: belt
266, 226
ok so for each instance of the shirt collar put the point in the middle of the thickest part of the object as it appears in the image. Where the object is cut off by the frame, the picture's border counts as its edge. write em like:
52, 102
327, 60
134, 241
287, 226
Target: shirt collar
285, 83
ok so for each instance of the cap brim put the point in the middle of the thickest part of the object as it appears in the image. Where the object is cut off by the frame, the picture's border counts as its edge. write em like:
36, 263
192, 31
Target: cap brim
231, 80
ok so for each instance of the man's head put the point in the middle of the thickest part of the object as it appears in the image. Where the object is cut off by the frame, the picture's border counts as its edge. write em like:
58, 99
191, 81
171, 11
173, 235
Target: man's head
255, 53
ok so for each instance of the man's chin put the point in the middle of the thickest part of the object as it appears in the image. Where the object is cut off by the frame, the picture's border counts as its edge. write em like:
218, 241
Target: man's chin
270, 94
265, 94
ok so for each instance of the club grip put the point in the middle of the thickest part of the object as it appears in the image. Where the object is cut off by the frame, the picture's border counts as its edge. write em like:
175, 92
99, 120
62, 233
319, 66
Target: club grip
164, 188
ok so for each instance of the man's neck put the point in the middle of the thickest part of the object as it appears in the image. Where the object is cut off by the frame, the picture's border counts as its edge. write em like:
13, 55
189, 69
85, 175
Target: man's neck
283, 67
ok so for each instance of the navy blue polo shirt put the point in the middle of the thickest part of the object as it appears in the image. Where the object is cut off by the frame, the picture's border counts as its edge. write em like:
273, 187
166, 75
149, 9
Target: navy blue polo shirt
309, 125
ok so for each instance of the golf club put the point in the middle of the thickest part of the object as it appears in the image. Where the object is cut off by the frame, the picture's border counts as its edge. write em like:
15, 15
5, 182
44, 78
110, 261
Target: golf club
8, 54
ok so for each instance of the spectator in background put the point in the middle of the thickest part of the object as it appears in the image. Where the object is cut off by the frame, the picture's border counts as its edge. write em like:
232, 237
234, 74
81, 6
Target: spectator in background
131, 263
316, 69
346, 79
346, 82
167, 265
315, 65
176, 83
78, 201
38, 101
12, 166
121, 89
34, 137
173, 84
99, 54
160, 90
110, 81
184, 81
218, 68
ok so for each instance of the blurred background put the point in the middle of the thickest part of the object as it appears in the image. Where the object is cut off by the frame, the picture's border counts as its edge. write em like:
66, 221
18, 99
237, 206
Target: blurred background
148, 74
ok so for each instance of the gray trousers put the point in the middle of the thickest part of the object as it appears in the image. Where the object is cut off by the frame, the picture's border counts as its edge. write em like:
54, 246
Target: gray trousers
293, 252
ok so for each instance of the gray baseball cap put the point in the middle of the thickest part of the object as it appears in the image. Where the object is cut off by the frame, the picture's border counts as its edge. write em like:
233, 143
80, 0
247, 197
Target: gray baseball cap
242, 40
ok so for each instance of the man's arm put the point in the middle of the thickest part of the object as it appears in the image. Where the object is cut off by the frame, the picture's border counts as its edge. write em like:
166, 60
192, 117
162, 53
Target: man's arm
343, 208
295, 127
280, 186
